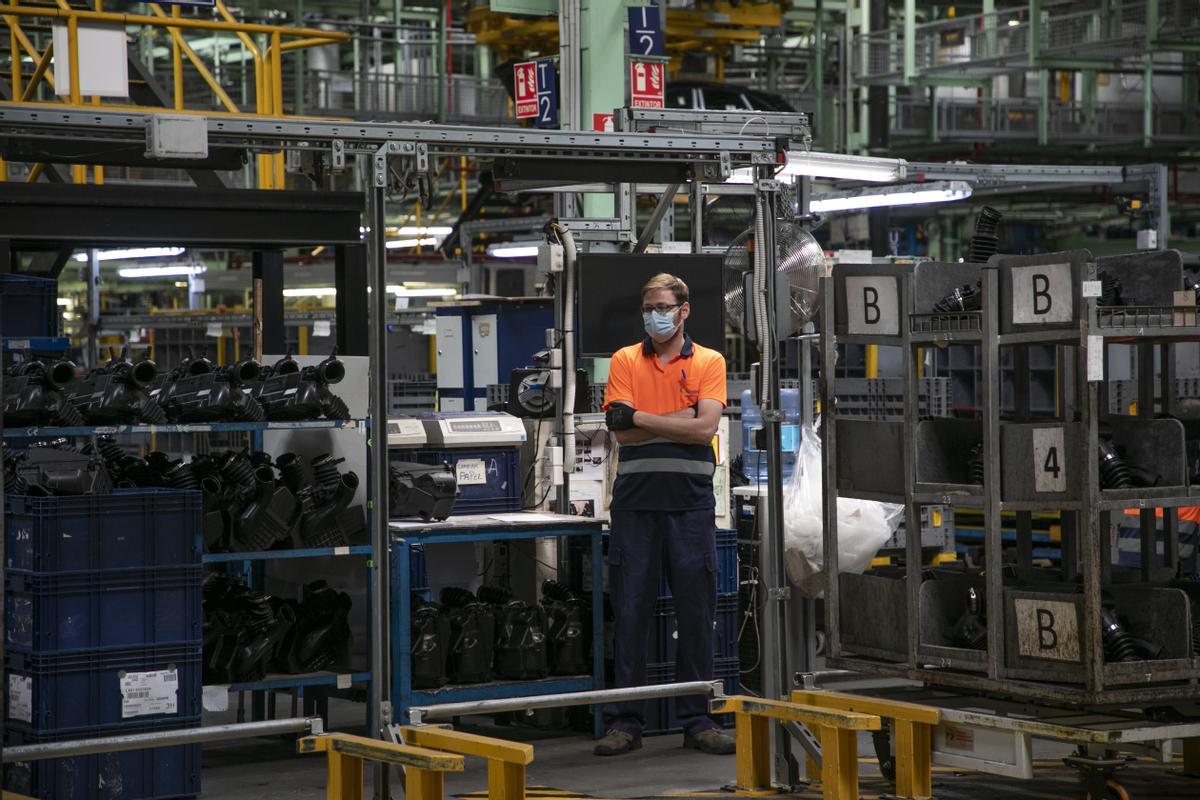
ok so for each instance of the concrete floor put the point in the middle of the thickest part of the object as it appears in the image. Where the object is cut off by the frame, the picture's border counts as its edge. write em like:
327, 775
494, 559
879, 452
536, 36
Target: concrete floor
264, 769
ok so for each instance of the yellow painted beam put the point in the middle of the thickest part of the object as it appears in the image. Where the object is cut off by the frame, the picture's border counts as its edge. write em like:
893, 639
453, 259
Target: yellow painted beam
379, 750
892, 709
197, 23
506, 780
344, 779
839, 763
197, 62
752, 735
914, 774
468, 744
423, 784
39, 72
809, 715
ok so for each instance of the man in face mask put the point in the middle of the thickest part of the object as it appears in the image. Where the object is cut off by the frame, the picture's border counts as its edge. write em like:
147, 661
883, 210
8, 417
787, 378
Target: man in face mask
664, 400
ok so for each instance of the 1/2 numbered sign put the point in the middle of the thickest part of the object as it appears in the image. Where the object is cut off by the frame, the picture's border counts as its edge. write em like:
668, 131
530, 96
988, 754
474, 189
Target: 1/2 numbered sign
872, 305
1049, 460
1041, 294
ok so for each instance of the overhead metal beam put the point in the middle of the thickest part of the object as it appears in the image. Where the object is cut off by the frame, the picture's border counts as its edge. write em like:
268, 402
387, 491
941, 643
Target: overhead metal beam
43, 215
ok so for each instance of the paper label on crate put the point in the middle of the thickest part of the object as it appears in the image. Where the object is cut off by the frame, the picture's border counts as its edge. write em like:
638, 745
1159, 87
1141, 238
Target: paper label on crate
471, 472
213, 329
1042, 294
1092, 288
321, 328
958, 737
1047, 629
145, 694
216, 698
1095, 358
20, 698
343, 681
872, 306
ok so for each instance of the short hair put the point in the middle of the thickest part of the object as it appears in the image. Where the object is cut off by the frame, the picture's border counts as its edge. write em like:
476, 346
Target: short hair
665, 280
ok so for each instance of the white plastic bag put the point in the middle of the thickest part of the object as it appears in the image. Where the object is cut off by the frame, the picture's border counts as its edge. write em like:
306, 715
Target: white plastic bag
863, 525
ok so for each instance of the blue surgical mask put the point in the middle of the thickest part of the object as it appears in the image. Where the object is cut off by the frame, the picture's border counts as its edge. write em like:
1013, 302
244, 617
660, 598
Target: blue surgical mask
660, 326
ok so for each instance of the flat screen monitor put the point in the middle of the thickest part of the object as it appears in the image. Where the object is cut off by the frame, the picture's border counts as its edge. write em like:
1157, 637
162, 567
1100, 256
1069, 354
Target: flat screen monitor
610, 286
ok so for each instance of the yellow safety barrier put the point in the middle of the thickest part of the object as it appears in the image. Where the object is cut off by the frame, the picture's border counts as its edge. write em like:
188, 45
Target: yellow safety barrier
506, 760
836, 730
913, 726
345, 755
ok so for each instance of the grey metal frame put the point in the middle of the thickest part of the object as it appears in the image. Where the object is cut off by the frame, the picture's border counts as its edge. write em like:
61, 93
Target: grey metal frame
706, 158
1086, 508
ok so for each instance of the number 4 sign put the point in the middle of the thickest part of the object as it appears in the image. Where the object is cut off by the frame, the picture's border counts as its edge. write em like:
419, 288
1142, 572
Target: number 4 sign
1049, 460
646, 84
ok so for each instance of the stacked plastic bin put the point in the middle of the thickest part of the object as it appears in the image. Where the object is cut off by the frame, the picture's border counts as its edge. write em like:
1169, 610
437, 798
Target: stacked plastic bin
103, 638
664, 637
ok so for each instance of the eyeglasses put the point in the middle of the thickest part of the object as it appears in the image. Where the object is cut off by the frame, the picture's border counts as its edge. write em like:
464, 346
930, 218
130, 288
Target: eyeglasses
661, 308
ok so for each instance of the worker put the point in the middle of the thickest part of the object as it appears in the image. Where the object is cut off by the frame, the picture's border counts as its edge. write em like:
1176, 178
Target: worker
664, 400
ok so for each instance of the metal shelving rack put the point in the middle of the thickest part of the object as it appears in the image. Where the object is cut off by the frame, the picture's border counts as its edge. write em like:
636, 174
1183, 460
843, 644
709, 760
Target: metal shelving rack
252, 563
1044, 638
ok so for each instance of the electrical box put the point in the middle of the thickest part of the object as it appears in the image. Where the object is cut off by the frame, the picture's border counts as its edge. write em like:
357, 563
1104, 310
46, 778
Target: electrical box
177, 136
1147, 240
550, 258
480, 429
406, 432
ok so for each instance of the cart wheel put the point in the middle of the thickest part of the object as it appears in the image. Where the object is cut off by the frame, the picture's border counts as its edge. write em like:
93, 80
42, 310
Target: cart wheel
1115, 791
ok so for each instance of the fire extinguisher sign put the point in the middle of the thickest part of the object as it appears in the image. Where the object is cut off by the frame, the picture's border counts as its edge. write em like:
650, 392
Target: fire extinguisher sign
525, 89
646, 84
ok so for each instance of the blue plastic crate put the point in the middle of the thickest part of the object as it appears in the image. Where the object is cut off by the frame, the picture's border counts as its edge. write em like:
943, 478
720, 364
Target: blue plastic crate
664, 632
153, 774
101, 689
68, 612
30, 305
727, 565
661, 716
128, 529
501, 491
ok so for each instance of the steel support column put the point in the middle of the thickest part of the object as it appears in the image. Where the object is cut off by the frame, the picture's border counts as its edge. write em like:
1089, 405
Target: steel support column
379, 714
350, 280
268, 267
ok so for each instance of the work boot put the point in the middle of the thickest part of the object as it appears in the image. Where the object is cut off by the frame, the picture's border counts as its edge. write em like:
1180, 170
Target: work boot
712, 741
617, 742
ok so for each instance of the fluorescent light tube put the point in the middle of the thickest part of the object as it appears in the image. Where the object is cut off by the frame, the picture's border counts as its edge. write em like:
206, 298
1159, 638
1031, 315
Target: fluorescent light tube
400, 244
136, 252
836, 166
311, 291
436, 230
165, 271
901, 195
429, 291
513, 249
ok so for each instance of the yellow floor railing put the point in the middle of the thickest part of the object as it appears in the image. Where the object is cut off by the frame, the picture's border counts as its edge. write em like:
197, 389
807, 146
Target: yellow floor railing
912, 726
836, 730
268, 66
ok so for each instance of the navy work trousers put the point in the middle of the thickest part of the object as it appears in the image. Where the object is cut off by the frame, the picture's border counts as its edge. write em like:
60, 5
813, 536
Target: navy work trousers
681, 545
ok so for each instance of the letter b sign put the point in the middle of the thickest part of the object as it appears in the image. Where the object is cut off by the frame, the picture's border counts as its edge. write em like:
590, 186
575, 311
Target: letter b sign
872, 305
1042, 294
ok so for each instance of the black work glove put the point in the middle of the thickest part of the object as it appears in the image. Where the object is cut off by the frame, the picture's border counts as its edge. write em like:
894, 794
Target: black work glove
619, 418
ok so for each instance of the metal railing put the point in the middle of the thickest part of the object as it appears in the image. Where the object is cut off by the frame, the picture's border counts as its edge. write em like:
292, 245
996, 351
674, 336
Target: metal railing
1017, 118
980, 45
386, 96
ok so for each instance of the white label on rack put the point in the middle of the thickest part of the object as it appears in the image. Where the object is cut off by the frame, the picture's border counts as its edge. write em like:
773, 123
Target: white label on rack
216, 698
872, 305
1093, 288
1047, 629
1049, 460
18, 344
213, 329
145, 694
20, 698
1095, 358
343, 681
471, 472
321, 328
1041, 294
341, 551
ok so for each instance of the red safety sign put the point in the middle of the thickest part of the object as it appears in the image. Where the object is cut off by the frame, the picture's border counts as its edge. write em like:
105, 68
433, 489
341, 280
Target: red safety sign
525, 89
646, 84
602, 123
